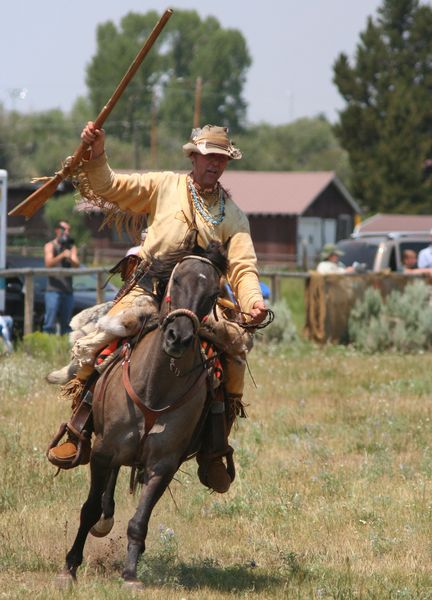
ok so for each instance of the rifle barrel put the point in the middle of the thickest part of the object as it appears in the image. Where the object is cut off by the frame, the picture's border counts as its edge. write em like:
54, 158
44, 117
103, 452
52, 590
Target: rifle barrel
37, 199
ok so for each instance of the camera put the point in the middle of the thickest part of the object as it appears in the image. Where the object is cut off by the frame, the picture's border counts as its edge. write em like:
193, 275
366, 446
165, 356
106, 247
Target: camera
66, 242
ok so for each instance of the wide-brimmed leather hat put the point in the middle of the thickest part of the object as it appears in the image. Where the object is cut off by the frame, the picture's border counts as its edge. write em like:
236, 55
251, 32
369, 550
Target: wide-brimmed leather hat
211, 139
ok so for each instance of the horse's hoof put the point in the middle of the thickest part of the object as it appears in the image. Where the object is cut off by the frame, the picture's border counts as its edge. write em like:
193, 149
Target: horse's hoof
133, 585
102, 527
64, 581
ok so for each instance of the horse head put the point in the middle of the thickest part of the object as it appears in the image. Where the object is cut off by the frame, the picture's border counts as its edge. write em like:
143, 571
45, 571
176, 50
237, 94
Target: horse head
191, 293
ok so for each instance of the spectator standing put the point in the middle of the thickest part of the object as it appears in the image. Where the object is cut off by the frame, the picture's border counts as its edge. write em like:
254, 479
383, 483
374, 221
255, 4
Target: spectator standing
60, 252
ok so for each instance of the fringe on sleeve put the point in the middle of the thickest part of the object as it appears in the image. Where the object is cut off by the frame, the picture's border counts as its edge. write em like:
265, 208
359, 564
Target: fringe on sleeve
114, 217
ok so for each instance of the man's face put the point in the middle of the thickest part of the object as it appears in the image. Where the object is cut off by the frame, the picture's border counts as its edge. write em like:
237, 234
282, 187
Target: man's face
410, 260
59, 231
207, 168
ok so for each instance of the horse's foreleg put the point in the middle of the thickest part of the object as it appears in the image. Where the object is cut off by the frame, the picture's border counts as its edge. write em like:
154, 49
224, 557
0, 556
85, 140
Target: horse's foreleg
106, 522
138, 525
90, 511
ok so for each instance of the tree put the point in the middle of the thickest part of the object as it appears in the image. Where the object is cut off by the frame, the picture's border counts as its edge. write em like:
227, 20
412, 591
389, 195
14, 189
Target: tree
220, 57
386, 125
307, 144
187, 49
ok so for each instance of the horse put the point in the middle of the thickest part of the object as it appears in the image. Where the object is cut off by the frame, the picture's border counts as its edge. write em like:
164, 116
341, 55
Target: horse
153, 424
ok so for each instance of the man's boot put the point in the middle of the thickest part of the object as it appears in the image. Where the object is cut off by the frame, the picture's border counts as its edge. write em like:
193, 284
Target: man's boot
77, 447
213, 472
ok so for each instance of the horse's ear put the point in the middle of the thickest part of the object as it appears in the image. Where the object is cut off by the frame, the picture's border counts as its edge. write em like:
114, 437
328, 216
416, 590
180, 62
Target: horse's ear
218, 254
190, 241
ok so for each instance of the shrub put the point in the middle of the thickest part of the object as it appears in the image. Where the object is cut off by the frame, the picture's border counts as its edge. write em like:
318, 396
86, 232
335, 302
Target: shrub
283, 329
403, 323
52, 348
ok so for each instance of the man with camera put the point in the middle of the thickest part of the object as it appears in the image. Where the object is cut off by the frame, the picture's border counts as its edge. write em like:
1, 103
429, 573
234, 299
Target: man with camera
61, 252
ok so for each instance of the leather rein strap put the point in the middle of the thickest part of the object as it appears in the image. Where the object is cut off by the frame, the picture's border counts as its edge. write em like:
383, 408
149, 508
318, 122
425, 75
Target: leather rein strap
151, 414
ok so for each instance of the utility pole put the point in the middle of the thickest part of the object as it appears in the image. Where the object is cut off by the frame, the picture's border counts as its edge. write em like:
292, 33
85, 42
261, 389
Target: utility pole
197, 110
136, 142
3, 233
153, 131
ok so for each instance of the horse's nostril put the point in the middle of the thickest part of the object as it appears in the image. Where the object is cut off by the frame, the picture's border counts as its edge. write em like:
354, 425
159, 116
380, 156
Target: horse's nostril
171, 335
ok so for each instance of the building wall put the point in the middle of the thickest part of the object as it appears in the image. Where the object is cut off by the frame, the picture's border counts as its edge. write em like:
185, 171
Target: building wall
34, 229
330, 204
274, 237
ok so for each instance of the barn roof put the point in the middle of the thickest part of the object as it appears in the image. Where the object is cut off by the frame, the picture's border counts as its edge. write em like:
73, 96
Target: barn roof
381, 222
277, 192
281, 192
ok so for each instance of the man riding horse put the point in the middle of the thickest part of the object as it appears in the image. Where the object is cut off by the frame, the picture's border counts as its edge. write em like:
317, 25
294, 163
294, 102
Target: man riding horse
174, 205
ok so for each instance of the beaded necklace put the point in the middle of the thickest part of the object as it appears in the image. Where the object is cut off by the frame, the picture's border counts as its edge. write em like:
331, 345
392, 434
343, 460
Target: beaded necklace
201, 206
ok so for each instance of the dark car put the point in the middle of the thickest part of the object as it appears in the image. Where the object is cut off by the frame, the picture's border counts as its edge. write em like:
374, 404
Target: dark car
84, 292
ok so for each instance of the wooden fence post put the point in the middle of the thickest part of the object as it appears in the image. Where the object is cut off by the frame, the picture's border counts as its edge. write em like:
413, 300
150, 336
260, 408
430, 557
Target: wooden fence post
275, 287
100, 292
28, 303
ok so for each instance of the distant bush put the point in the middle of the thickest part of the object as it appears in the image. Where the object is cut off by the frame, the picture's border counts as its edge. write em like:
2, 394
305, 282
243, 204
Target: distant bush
52, 348
283, 329
402, 323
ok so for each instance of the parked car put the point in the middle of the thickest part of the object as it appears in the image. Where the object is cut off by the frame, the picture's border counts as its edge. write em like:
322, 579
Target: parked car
381, 251
84, 292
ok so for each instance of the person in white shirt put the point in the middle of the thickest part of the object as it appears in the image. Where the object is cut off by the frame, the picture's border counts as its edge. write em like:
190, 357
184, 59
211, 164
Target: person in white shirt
330, 261
424, 259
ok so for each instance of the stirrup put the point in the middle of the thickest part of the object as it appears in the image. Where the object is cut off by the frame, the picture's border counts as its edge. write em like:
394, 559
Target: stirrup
81, 442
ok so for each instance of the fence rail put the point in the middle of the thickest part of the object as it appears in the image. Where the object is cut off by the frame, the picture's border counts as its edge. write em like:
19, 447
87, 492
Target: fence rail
28, 288
29, 274
275, 279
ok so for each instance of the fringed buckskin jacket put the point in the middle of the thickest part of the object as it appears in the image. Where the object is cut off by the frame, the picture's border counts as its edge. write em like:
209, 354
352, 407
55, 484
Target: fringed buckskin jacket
163, 198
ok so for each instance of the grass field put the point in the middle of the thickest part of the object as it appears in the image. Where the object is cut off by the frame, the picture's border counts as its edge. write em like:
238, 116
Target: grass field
333, 496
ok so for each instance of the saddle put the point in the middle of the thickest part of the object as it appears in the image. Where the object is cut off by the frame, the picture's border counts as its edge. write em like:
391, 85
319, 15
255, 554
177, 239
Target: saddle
210, 439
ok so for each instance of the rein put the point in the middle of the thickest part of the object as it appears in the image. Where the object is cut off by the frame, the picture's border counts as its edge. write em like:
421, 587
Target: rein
224, 303
151, 414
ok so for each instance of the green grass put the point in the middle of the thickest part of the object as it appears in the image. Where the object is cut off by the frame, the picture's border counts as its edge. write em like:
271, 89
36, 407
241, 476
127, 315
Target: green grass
332, 499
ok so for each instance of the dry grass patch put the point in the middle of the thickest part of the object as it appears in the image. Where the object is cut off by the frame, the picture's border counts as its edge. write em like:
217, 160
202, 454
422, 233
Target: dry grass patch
332, 497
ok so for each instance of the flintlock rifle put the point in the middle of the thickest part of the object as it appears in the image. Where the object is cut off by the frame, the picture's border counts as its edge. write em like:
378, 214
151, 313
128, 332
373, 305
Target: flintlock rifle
35, 201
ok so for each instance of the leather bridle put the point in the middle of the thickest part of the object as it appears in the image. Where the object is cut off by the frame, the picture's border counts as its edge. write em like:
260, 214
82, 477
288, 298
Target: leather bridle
183, 312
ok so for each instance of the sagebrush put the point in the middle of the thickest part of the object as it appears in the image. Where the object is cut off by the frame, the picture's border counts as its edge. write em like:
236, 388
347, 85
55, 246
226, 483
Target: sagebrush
402, 322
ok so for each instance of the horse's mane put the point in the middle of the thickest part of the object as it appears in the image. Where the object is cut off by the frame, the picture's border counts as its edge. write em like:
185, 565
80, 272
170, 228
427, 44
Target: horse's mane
161, 267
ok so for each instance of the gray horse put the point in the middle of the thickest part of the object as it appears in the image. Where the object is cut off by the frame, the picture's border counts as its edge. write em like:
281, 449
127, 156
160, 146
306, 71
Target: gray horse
152, 424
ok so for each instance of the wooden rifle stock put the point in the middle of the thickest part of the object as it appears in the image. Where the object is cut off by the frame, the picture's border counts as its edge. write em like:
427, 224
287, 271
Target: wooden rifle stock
28, 207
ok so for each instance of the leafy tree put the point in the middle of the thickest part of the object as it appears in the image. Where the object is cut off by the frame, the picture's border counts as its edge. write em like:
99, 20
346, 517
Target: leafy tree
220, 58
307, 144
63, 208
387, 122
187, 49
